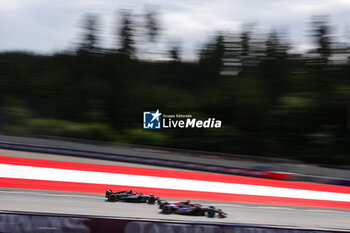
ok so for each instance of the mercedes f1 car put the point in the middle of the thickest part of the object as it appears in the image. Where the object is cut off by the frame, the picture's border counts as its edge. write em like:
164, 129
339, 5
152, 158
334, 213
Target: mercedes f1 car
187, 208
129, 196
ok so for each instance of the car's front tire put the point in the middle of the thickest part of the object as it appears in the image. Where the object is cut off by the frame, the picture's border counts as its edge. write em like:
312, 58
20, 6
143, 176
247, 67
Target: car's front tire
211, 213
151, 200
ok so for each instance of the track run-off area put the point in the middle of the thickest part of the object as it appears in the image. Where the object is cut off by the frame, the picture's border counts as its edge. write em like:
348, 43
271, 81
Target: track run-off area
96, 178
245, 199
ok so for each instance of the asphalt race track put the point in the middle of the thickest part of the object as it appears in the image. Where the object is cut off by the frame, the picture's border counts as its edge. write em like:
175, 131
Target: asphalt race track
97, 206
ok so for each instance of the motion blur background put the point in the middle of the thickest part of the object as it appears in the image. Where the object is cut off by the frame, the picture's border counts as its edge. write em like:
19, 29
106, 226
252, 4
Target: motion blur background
277, 73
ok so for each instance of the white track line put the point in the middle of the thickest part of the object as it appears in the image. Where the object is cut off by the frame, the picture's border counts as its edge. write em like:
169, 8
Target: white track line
54, 174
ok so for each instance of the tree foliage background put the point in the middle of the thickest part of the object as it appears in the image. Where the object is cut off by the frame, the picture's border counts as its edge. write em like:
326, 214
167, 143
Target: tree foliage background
271, 102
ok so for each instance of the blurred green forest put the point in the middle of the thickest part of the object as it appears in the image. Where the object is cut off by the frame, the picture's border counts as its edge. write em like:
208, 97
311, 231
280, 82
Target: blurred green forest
271, 102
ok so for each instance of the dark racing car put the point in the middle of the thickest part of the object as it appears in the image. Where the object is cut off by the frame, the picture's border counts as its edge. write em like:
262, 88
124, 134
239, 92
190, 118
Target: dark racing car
129, 196
187, 208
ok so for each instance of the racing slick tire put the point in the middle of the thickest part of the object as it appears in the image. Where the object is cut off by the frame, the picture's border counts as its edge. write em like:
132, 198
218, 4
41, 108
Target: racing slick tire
166, 210
211, 213
112, 198
151, 200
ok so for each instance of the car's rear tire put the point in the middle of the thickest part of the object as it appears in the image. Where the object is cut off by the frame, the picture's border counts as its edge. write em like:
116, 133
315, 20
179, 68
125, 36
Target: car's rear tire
112, 198
166, 210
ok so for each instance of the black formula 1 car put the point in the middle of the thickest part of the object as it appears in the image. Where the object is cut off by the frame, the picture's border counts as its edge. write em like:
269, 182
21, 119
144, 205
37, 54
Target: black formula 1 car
187, 208
129, 196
